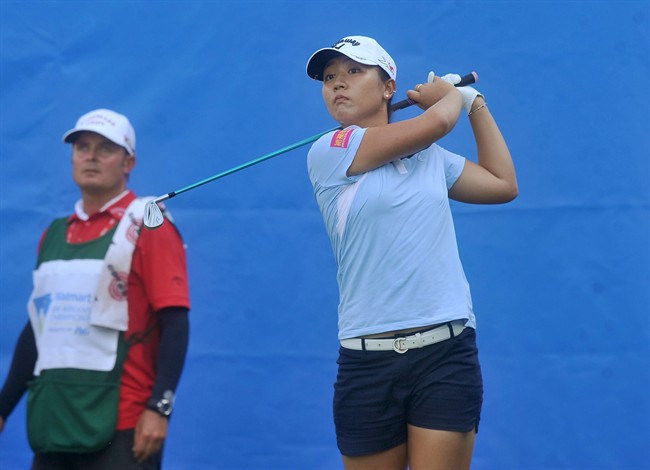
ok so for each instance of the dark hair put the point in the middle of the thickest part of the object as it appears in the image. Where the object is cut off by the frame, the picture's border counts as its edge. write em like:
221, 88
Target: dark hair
385, 77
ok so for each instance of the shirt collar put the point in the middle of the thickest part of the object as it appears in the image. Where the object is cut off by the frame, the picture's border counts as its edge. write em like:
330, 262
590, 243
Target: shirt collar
115, 207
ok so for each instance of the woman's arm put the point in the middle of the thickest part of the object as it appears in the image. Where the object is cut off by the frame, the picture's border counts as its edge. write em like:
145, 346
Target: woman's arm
380, 145
493, 179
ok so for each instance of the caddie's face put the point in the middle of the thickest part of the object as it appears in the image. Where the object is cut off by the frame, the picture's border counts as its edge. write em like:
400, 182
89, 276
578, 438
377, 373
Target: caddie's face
354, 93
99, 166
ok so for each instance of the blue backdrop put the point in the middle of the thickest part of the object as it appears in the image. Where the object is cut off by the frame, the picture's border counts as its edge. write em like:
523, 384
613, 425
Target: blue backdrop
560, 277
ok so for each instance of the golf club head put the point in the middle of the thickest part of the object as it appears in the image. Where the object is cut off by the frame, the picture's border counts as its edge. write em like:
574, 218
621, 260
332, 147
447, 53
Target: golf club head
153, 216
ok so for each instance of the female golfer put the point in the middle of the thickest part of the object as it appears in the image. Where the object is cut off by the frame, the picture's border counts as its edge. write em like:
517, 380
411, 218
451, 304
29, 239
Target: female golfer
409, 387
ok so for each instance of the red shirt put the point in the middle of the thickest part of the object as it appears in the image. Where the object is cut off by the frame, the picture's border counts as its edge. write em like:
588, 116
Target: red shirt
158, 279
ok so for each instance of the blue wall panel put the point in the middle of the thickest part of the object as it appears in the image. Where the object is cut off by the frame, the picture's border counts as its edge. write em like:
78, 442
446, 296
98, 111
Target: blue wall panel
560, 277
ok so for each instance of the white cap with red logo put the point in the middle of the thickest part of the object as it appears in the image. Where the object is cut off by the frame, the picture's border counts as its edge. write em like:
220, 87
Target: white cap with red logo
114, 126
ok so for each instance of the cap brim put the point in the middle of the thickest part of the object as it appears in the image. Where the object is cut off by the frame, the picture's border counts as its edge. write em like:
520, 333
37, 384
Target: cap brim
70, 136
319, 60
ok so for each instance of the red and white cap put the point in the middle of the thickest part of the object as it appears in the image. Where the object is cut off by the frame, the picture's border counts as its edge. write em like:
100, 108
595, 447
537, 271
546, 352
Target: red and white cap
114, 126
361, 49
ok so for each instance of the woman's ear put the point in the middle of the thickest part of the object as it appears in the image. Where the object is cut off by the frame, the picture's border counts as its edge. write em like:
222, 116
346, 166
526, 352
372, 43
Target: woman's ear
390, 87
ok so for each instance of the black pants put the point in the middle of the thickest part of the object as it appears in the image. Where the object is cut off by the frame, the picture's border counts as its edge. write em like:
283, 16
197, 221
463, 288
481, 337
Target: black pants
117, 456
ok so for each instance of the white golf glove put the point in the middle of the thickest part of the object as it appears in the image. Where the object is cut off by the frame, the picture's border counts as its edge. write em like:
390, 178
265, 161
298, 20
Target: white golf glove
469, 93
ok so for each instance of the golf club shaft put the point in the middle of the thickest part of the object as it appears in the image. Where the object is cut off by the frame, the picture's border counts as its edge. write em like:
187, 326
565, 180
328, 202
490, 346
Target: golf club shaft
466, 80
245, 165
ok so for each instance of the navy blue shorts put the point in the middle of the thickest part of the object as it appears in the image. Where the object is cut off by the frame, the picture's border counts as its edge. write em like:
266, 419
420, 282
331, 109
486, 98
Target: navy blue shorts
377, 393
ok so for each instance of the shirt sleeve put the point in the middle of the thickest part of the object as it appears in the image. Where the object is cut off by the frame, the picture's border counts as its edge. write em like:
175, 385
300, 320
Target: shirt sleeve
160, 266
331, 156
174, 338
454, 165
20, 372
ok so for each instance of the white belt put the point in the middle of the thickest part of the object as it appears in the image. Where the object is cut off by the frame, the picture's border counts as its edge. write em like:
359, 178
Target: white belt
404, 343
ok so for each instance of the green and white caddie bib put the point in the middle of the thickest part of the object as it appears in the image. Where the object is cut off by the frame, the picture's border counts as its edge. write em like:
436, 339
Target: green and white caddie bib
79, 313
78, 306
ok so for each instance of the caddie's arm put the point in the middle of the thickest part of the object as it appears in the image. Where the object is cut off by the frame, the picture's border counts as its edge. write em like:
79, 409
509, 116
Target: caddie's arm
151, 430
20, 373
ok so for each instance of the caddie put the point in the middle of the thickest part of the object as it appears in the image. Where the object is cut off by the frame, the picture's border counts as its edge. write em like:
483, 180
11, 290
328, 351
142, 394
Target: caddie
103, 350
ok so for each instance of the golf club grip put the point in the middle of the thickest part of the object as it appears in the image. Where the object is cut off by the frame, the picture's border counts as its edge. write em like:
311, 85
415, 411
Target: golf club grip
464, 81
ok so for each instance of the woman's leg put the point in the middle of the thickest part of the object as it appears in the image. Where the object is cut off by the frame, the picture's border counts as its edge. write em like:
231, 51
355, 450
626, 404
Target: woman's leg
391, 459
430, 449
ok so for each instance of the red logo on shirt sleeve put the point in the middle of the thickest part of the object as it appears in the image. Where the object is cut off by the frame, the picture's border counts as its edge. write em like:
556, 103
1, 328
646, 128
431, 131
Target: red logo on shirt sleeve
341, 138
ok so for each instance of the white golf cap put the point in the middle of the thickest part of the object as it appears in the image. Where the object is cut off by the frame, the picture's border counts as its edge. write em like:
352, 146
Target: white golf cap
114, 126
361, 49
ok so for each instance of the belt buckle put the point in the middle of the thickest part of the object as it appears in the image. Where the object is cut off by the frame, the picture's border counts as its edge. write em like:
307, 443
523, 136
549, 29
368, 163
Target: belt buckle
399, 346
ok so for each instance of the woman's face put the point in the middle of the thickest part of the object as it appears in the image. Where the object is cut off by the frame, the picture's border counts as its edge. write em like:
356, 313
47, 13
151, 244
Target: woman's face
355, 93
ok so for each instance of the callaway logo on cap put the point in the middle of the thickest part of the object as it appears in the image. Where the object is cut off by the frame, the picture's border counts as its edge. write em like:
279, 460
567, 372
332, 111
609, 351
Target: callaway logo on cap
361, 49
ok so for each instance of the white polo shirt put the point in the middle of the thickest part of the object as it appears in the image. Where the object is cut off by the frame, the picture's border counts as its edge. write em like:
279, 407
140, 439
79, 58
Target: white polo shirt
393, 237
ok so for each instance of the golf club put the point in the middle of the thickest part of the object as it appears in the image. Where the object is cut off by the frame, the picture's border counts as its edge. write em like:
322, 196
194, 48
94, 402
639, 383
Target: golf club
153, 216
